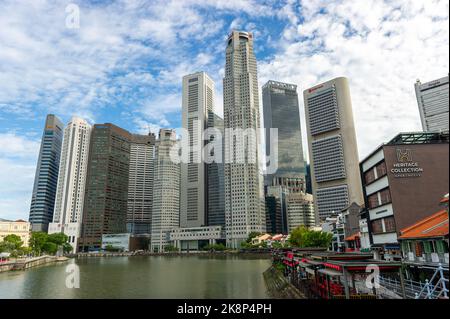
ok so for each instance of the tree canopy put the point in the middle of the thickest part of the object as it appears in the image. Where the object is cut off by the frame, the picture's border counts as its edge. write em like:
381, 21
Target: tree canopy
303, 237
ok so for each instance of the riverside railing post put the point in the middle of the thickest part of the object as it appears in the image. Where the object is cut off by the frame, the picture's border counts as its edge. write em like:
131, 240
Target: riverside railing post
347, 290
444, 288
402, 283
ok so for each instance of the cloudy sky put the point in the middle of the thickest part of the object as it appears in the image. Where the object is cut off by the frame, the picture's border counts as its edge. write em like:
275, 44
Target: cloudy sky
125, 62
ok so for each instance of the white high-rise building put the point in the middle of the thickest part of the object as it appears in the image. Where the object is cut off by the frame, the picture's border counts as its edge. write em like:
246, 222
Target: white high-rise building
166, 192
244, 201
432, 98
140, 184
69, 201
333, 150
198, 102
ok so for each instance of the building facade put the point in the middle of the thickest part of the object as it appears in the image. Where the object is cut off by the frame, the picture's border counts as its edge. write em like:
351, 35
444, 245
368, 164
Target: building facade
46, 177
281, 112
70, 192
433, 101
403, 180
276, 214
19, 227
140, 184
106, 194
166, 192
299, 210
215, 177
244, 196
198, 102
333, 150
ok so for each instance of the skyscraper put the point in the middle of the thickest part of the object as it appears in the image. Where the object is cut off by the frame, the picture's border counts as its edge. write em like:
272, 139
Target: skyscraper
333, 150
198, 102
215, 185
46, 177
140, 185
71, 181
106, 195
281, 111
432, 99
244, 201
299, 210
166, 192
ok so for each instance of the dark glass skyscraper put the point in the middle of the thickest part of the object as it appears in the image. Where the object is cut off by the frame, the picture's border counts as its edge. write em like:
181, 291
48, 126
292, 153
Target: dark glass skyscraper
215, 180
281, 111
46, 178
105, 201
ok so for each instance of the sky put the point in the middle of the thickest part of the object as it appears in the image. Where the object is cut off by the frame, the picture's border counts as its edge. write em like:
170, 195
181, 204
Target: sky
125, 61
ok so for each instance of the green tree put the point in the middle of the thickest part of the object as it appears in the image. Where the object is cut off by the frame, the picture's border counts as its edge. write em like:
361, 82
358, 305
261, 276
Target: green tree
252, 235
58, 238
170, 248
14, 240
37, 242
303, 237
50, 248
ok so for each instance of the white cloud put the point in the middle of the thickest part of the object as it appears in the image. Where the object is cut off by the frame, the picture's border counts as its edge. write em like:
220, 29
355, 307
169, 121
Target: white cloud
382, 47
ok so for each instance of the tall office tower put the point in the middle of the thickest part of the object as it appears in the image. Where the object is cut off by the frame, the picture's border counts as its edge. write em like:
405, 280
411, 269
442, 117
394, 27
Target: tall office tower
299, 210
215, 185
198, 101
71, 181
335, 176
46, 178
276, 214
140, 185
244, 198
432, 98
106, 194
281, 111
166, 192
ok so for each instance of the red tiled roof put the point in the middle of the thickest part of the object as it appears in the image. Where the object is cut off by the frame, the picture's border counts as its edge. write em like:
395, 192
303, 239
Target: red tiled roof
353, 237
435, 225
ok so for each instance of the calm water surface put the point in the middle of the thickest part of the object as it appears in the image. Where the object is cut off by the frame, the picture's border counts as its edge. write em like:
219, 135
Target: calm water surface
143, 277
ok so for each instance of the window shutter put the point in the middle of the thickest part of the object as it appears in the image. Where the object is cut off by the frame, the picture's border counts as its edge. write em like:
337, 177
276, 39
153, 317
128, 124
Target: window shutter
427, 247
440, 246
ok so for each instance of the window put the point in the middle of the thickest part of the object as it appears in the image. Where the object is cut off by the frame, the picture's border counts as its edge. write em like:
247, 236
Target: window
381, 169
377, 226
373, 200
369, 176
385, 196
389, 224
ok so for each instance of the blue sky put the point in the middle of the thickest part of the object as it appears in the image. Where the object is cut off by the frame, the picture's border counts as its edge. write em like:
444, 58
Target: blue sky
125, 62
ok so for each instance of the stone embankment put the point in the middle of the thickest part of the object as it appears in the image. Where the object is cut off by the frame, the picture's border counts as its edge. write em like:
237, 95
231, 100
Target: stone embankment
278, 287
26, 263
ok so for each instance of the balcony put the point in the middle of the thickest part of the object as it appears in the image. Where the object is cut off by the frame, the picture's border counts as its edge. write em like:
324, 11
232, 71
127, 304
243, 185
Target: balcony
428, 258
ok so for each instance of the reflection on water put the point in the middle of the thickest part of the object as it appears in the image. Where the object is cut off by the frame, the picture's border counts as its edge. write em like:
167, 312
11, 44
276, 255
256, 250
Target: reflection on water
144, 277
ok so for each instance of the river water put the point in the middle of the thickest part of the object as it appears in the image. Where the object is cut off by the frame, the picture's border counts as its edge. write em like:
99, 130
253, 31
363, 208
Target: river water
143, 277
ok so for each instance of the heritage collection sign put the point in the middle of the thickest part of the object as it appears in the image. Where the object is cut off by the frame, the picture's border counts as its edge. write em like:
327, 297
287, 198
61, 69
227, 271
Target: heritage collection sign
405, 165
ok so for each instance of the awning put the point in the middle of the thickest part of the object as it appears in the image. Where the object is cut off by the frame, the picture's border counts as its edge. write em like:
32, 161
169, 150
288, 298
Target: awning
330, 272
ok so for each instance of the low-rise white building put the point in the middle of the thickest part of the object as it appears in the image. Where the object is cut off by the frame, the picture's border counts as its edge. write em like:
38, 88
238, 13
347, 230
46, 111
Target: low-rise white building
193, 238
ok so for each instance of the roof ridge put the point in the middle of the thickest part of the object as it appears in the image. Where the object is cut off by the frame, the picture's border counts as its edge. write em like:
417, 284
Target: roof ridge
423, 221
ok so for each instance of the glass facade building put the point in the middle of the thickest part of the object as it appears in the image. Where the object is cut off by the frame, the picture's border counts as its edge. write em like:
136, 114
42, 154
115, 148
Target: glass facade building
281, 111
46, 178
105, 203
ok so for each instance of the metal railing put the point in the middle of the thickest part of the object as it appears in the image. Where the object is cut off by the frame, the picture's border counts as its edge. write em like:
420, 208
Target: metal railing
437, 290
436, 287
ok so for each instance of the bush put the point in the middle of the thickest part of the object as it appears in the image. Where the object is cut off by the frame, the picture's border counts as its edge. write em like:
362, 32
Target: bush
215, 247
